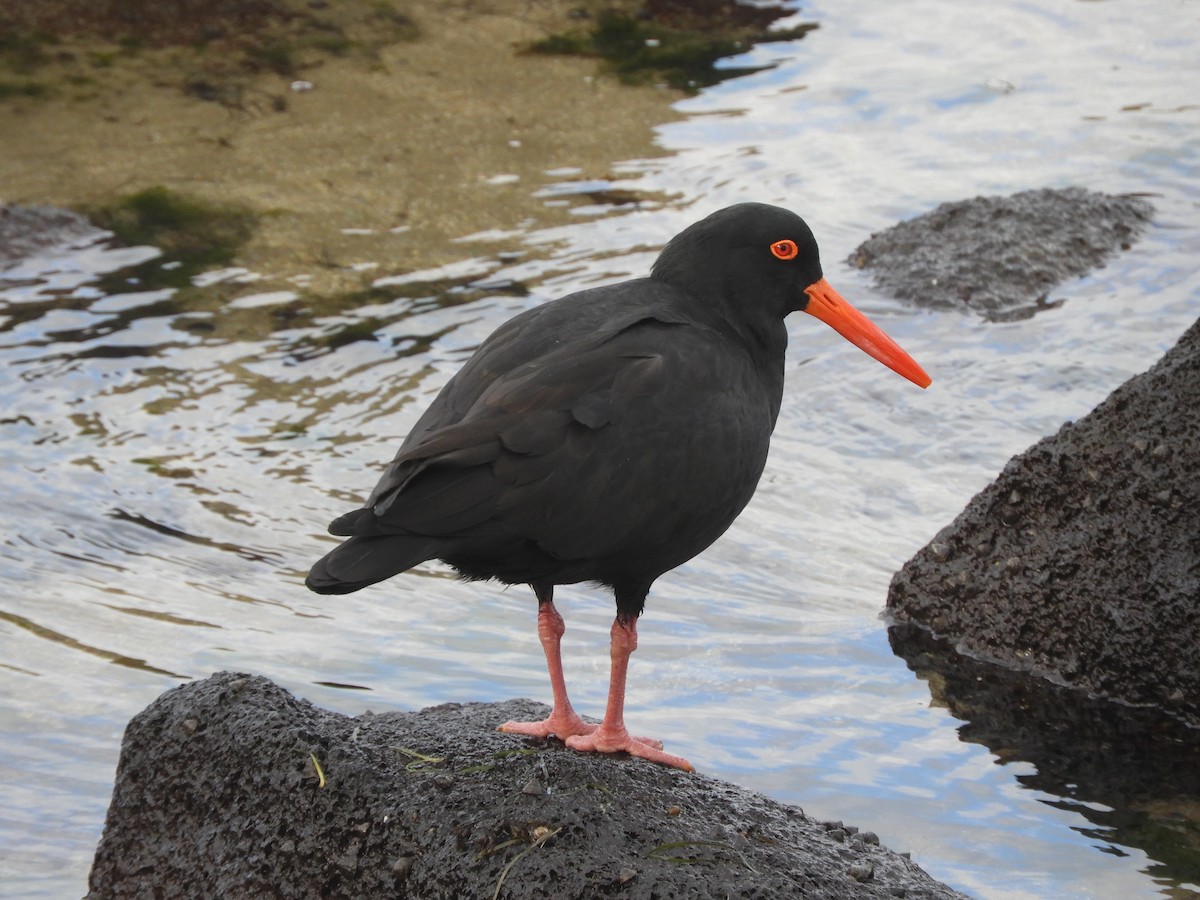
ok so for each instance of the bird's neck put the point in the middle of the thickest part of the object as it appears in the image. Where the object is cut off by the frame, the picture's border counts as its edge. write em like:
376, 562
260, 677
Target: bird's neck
764, 337
759, 332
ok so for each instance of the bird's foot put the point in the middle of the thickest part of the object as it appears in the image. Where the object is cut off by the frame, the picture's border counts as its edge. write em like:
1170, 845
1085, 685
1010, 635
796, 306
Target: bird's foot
609, 739
560, 724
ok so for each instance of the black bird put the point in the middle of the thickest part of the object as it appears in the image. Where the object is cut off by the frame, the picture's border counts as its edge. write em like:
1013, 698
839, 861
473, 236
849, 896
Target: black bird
608, 436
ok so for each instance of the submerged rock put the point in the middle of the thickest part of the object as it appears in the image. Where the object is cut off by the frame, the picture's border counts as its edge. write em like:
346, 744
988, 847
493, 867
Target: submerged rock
231, 787
26, 230
1081, 562
1002, 256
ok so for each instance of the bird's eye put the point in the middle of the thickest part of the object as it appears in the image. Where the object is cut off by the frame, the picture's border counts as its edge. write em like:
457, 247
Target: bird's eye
785, 249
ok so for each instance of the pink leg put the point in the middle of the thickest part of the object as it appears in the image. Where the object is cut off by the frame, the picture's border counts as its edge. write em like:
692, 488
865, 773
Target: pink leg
611, 736
563, 720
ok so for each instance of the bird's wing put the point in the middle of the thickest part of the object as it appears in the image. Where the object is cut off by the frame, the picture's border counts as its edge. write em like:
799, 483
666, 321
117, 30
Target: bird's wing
582, 320
560, 450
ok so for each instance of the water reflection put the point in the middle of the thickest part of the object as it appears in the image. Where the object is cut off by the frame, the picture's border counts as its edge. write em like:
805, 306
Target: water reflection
1132, 774
71, 643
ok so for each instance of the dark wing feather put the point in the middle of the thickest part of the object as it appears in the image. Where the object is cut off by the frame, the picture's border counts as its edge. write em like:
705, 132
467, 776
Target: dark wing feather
594, 438
580, 320
453, 482
361, 561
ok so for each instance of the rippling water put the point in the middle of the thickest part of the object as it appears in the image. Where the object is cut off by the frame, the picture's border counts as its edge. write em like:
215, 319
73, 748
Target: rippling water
170, 465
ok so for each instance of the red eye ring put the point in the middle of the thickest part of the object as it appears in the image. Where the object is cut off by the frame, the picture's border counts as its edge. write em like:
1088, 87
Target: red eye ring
785, 249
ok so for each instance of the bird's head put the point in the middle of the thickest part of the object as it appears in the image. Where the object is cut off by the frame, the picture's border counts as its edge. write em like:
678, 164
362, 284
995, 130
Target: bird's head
762, 261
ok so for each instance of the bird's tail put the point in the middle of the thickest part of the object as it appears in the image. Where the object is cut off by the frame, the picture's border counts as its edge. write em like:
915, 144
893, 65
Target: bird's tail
361, 561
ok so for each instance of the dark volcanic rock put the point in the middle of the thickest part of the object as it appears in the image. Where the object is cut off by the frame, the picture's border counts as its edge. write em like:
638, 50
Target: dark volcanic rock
1081, 562
217, 795
1002, 256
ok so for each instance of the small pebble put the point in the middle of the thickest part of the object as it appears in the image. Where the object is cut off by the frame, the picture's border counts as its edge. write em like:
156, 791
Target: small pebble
862, 871
348, 861
533, 788
402, 866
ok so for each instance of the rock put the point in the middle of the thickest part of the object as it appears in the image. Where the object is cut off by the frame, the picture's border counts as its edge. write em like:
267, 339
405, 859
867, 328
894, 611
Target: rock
1002, 256
1081, 562
219, 794
862, 871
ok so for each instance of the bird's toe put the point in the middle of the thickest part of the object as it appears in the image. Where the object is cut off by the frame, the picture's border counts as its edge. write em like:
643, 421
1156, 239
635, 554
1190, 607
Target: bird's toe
556, 724
617, 740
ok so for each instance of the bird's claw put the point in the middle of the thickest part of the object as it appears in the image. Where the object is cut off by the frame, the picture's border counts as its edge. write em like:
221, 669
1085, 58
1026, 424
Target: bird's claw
613, 740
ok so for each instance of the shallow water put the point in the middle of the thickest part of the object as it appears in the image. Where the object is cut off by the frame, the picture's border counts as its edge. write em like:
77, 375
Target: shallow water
170, 467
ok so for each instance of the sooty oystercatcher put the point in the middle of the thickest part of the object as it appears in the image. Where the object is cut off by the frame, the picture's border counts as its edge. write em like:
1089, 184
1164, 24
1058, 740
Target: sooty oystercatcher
608, 437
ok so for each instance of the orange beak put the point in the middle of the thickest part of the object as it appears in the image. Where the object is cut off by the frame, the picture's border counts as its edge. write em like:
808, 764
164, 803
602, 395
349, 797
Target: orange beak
829, 306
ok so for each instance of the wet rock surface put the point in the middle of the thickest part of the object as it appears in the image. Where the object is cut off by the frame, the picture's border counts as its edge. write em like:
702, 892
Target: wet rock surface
1002, 257
231, 787
1081, 562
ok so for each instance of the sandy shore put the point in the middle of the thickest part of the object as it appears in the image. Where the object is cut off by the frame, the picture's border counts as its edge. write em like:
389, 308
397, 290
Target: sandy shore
408, 142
